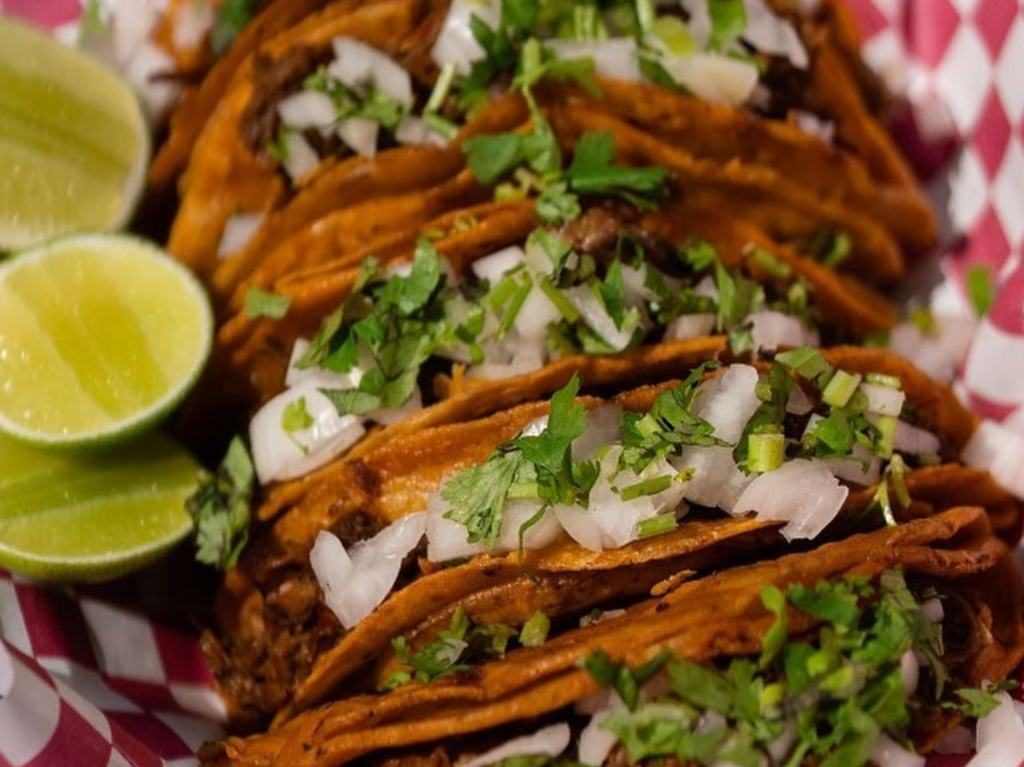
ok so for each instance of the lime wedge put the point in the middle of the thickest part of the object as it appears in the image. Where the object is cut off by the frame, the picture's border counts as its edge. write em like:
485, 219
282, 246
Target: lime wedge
100, 336
73, 140
94, 516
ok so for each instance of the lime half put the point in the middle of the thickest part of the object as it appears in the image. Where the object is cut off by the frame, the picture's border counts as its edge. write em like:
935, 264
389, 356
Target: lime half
73, 140
91, 517
100, 336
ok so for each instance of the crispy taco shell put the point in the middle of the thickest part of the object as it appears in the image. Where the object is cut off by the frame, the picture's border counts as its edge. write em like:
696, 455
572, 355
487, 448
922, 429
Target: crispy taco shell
701, 620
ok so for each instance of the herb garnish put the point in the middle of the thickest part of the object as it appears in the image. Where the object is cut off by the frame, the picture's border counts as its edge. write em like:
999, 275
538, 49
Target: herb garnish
260, 303
220, 508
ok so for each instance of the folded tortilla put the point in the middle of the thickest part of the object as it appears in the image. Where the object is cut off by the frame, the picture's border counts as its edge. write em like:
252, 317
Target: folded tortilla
701, 620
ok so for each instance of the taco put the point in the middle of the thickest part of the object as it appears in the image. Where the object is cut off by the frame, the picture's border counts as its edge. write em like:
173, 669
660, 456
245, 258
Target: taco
855, 648
309, 99
670, 448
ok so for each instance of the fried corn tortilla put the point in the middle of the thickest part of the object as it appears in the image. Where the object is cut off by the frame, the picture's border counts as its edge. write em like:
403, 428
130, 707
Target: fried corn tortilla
700, 620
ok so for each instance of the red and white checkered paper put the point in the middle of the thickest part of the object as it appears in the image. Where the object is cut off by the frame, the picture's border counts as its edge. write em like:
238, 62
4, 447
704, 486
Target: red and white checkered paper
86, 679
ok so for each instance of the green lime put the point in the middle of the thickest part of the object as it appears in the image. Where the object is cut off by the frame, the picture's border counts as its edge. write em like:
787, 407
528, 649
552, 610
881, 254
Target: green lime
73, 140
89, 517
100, 336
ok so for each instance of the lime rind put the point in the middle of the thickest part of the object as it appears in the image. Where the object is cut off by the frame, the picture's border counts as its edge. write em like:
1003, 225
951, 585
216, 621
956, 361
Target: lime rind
153, 413
58, 105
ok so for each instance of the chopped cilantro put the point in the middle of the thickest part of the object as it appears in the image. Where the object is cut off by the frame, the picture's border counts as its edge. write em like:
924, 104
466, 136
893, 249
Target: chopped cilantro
981, 291
592, 172
260, 303
295, 417
231, 18
220, 508
535, 630
728, 20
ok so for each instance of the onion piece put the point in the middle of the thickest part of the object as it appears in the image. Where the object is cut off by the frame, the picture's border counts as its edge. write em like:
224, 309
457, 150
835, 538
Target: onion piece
360, 135
355, 582
913, 440
539, 535
278, 455
890, 753
456, 44
595, 742
996, 448
959, 740
514, 355
416, 132
1000, 736
536, 314
798, 403
771, 330
359, 65
910, 670
446, 540
192, 22
494, 266
717, 481
324, 379
614, 57
549, 741
238, 230
307, 109
603, 428
861, 468
933, 610
728, 401
596, 317
300, 158
773, 35
687, 326
883, 400
634, 285
813, 125
713, 77
802, 493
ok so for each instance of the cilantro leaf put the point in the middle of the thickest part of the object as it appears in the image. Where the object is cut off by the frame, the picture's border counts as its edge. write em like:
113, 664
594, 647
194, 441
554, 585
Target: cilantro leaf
352, 401
566, 421
231, 18
220, 508
775, 638
295, 417
592, 172
728, 20
477, 496
260, 303
981, 291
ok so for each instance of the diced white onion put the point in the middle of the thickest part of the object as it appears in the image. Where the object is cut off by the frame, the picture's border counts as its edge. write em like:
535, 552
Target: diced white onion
728, 401
802, 493
416, 132
996, 448
300, 157
446, 539
890, 753
634, 285
456, 43
1015, 421
932, 610
910, 671
494, 266
779, 748
861, 468
615, 57
323, 379
596, 742
798, 403
549, 741
938, 355
813, 125
707, 288
713, 77
307, 109
238, 230
539, 535
146, 70
687, 326
359, 135
609, 521
278, 455
959, 740
390, 415
699, 21
883, 400
512, 356
913, 440
536, 314
1000, 736
772, 34
359, 65
355, 582
770, 330
597, 318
